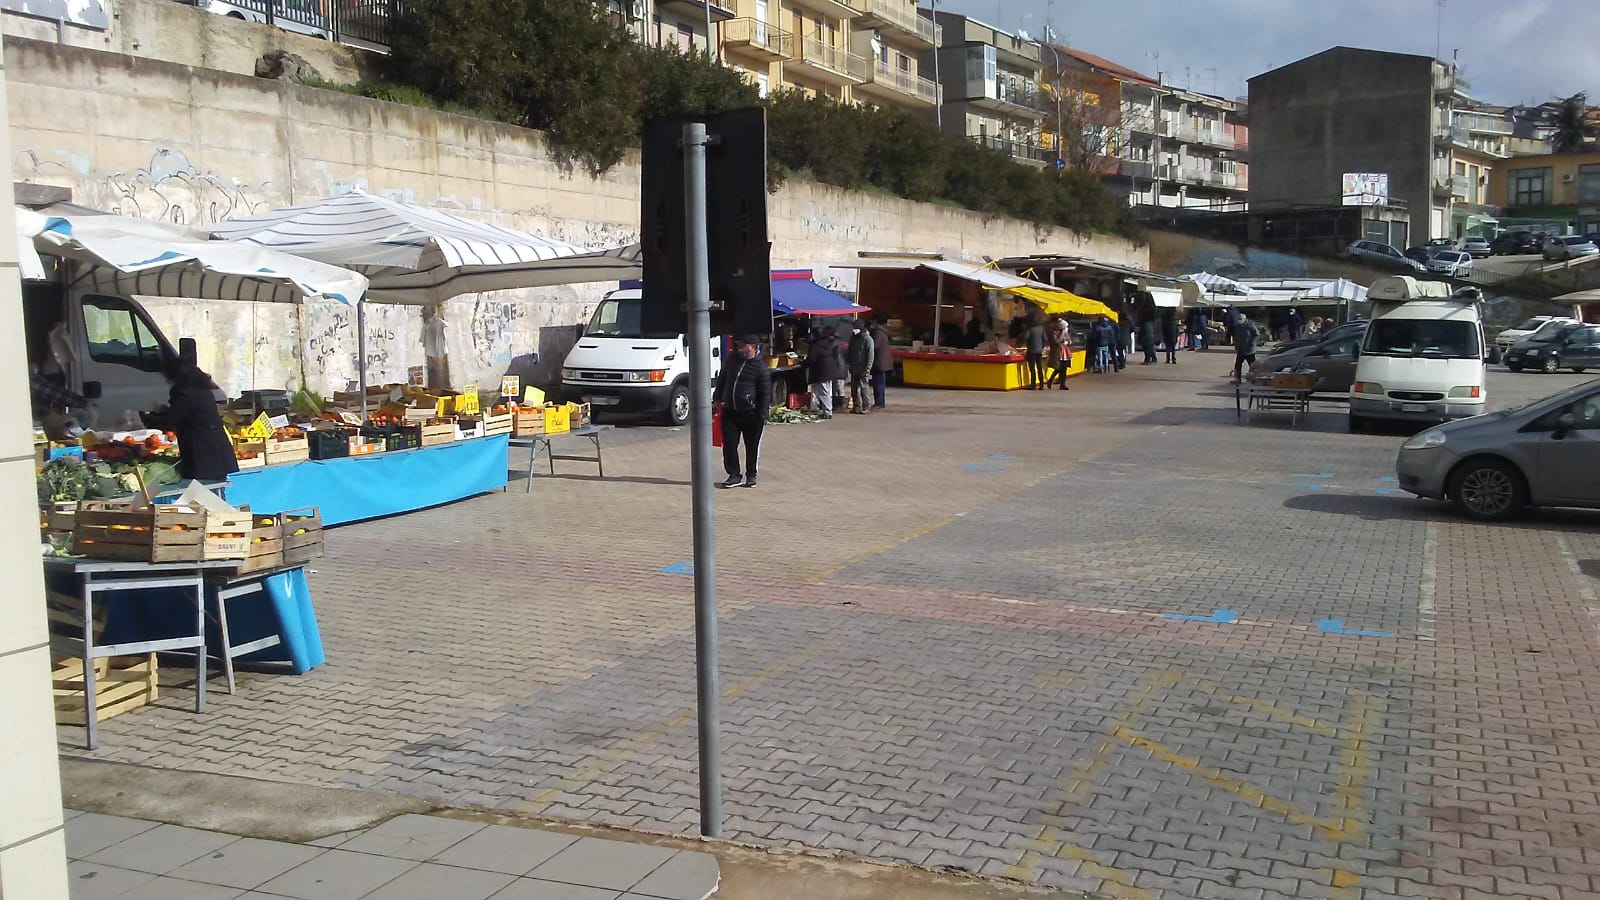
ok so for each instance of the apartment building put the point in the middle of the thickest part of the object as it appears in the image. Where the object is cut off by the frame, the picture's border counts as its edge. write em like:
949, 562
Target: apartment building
1411, 118
681, 24
800, 45
990, 84
893, 38
1552, 188
1159, 145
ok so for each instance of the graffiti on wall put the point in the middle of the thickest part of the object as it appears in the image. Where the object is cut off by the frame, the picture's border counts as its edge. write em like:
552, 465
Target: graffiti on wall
169, 188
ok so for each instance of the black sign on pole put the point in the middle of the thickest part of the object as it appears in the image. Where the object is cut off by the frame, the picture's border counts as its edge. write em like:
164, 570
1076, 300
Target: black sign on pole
736, 208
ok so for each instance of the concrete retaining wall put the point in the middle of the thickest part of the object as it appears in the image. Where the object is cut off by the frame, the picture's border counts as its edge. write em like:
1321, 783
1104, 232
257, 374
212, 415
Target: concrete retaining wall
154, 139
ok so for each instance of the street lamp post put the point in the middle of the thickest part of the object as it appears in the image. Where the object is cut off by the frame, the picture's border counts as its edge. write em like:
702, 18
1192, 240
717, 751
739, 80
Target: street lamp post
1057, 89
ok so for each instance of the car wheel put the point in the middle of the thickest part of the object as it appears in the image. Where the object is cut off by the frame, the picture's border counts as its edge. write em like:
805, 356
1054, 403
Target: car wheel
1494, 356
1551, 364
1487, 489
678, 405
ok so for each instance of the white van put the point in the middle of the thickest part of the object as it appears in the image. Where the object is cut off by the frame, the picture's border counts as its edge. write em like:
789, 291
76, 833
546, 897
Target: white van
615, 369
1422, 358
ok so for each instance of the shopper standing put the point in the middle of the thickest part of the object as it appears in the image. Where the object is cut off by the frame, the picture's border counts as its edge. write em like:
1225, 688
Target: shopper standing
1105, 338
860, 359
743, 393
825, 361
1035, 341
1169, 334
436, 347
882, 363
1060, 352
1147, 336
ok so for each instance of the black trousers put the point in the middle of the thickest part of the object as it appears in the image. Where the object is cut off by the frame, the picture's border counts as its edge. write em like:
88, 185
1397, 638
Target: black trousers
1035, 369
735, 427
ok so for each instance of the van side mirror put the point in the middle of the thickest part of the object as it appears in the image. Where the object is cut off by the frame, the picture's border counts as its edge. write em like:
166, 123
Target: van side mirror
1355, 352
188, 352
92, 390
1564, 423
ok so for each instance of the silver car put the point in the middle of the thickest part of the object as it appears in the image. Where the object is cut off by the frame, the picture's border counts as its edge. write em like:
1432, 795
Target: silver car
1544, 454
1568, 247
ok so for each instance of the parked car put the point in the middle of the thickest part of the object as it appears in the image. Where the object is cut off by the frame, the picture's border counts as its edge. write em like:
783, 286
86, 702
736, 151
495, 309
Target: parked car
1420, 254
1594, 238
1475, 245
1516, 243
1455, 263
1569, 246
1572, 346
300, 16
1333, 359
1383, 255
1348, 329
1493, 466
1505, 339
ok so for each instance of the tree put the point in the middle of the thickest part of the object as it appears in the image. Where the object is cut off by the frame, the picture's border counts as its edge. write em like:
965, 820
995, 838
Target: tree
1085, 113
1572, 125
559, 66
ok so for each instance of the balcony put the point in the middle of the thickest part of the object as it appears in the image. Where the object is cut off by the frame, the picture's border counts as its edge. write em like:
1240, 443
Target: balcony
1212, 137
832, 64
1135, 168
1477, 123
1013, 99
898, 87
833, 9
1207, 177
899, 16
757, 39
1022, 151
1449, 80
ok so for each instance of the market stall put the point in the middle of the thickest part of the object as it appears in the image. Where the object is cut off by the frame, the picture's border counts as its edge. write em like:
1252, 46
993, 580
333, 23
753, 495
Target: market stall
958, 324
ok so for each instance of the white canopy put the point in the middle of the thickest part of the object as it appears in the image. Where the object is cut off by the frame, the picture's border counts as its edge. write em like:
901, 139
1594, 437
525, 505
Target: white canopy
419, 256
1337, 289
1215, 284
128, 256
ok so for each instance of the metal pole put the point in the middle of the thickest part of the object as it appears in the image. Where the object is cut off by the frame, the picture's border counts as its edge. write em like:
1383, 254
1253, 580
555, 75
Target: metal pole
705, 536
711, 48
938, 301
938, 100
361, 353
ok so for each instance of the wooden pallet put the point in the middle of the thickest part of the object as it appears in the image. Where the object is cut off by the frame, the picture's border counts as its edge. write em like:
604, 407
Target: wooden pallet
121, 683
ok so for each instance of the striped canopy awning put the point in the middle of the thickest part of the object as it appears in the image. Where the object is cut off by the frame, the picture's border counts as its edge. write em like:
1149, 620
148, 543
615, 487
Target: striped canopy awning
140, 257
419, 256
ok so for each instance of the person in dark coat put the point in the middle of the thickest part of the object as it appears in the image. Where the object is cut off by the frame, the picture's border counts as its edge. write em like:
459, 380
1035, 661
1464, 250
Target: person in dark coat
825, 362
205, 451
974, 334
1169, 334
743, 393
1105, 339
1147, 337
1244, 345
859, 356
882, 363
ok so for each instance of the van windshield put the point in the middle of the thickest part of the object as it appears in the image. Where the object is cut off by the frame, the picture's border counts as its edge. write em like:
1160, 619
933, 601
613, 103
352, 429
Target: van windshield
616, 317
1430, 338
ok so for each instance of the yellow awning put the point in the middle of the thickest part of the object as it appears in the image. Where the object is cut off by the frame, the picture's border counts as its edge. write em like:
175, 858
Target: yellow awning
1056, 301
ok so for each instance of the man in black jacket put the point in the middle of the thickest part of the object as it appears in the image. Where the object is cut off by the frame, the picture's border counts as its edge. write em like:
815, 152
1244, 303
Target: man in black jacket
743, 393
882, 363
825, 361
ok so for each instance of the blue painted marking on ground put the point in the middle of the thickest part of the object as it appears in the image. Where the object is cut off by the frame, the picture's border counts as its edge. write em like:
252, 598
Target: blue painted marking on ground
1221, 617
1336, 626
998, 456
1388, 478
1311, 475
1308, 485
1384, 492
976, 469
683, 568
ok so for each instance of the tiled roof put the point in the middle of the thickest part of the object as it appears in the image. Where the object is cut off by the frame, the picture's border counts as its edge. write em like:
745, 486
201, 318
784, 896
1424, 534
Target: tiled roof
1107, 66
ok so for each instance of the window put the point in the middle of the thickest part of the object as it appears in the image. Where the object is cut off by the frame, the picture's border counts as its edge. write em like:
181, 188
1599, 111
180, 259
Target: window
685, 39
1530, 187
118, 334
1587, 414
1589, 184
1436, 338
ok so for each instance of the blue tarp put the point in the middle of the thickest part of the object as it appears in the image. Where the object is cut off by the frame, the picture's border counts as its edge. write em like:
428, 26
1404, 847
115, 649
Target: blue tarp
794, 293
366, 487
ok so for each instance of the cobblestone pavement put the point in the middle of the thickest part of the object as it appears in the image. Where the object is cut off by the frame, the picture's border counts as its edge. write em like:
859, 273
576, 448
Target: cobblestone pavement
1104, 640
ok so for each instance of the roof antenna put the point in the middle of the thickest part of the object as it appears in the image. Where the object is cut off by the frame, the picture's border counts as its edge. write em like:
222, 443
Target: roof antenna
1438, 31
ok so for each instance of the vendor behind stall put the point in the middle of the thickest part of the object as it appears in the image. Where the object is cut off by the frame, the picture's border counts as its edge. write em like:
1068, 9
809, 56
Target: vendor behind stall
205, 452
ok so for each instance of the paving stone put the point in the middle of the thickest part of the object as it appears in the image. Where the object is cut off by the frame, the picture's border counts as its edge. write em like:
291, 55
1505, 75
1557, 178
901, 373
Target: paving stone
605, 864
688, 875
499, 848
89, 833
338, 875
431, 881
413, 837
246, 863
92, 881
166, 887
534, 889
162, 849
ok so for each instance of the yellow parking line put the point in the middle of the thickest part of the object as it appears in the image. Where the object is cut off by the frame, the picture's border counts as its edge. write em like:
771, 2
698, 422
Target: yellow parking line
604, 762
1267, 709
1355, 770
1051, 840
1218, 778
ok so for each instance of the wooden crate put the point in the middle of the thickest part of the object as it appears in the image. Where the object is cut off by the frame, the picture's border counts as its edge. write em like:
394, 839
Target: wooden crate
118, 530
264, 546
493, 425
360, 446
527, 420
1294, 381
62, 515
227, 535
579, 415
121, 683
419, 414
434, 435
302, 535
280, 452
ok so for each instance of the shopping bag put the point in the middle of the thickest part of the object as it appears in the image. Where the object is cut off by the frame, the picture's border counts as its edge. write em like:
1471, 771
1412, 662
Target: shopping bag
716, 426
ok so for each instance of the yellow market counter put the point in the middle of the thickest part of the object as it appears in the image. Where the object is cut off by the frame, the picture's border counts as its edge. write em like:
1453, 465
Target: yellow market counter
971, 371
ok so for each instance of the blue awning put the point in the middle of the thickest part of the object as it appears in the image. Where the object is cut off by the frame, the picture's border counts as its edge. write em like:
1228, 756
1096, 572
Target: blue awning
794, 293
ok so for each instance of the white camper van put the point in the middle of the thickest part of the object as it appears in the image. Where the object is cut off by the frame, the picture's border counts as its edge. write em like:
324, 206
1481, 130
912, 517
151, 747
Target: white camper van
615, 369
1422, 358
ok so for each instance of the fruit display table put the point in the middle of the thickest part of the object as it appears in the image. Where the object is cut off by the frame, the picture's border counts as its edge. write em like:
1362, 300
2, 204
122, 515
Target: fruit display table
383, 484
971, 371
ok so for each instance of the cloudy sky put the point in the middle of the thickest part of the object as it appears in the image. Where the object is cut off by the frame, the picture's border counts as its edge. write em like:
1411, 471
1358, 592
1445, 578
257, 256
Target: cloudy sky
1513, 51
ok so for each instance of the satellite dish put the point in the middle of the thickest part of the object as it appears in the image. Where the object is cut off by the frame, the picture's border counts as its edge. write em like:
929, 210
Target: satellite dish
1023, 35
877, 44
